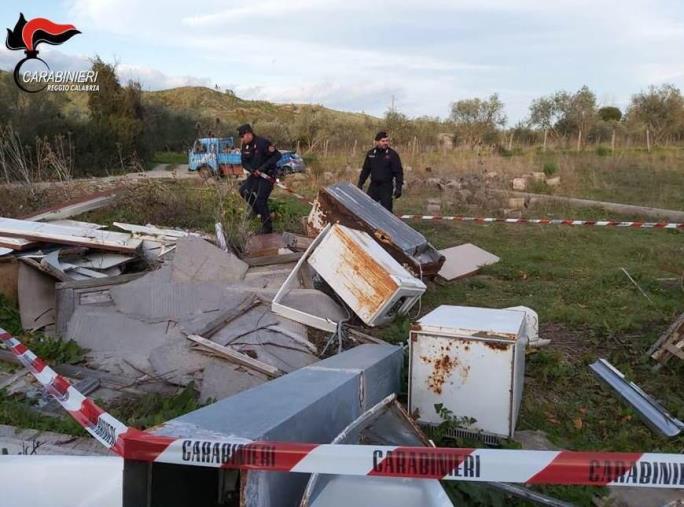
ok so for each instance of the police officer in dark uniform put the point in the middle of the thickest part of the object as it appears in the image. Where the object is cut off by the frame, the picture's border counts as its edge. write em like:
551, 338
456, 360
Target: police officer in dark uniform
259, 157
383, 166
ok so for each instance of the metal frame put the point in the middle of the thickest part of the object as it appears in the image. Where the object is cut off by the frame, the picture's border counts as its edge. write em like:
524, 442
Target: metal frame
652, 413
293, 313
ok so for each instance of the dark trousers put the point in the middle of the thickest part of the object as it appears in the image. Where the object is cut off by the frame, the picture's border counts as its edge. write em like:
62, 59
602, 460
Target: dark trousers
382, 193
256, 190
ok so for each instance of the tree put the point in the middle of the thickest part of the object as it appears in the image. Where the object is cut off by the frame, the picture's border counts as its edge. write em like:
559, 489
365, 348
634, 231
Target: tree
117, 117
660, 109
610, 114
565, 113
477, 119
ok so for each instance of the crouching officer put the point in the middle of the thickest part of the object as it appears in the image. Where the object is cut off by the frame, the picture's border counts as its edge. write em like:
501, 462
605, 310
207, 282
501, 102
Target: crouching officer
384, 167
259, 157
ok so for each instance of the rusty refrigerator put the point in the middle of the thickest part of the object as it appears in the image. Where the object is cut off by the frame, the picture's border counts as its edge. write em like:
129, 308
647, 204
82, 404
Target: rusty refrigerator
472, 362
374, 285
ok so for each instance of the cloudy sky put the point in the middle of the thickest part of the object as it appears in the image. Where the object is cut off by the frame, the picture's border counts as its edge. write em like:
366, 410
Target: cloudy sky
355, 55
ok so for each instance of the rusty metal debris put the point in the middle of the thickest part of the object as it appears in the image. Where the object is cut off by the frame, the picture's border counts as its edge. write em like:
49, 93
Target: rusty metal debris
345, 204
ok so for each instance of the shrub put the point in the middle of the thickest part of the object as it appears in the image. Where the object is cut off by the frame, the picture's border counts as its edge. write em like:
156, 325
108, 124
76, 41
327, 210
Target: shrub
602, 151
550, 168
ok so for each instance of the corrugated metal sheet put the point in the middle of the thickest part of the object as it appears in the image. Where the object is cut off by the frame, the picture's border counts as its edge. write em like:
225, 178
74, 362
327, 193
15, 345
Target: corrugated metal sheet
346, 204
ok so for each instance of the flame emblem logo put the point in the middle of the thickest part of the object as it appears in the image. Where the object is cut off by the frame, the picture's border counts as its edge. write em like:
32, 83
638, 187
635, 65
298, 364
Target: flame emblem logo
27, 35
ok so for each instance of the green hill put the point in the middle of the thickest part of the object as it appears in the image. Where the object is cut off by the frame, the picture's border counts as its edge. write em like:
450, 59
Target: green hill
208, 103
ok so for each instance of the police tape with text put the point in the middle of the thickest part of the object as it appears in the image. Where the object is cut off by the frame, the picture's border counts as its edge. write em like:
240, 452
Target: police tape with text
489, 465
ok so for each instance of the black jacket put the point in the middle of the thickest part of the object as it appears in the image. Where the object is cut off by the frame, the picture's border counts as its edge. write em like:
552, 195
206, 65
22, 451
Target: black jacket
260, 155
383, 167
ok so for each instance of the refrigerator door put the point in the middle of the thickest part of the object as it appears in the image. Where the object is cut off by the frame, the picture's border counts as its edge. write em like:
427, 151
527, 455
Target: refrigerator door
473, 378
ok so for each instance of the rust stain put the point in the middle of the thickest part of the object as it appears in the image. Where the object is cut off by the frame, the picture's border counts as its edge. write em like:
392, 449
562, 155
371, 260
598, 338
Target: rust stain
442, 366
358, 262
416, 327
487, 335
496, 346
382, 236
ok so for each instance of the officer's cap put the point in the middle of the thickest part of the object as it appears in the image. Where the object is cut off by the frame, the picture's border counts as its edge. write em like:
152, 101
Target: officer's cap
243, 129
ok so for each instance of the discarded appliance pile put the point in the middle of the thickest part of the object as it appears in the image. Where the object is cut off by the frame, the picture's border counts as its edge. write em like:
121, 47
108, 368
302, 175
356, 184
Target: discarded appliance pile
157, 309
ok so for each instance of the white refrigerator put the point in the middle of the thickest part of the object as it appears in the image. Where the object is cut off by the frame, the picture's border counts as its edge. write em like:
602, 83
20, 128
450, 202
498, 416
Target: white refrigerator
472, 361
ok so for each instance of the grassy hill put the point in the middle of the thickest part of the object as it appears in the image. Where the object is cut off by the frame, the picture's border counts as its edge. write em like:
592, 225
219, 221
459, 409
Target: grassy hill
203, 103
208, 103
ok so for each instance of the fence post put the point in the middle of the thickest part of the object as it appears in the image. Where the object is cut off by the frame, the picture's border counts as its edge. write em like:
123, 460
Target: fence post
648, 140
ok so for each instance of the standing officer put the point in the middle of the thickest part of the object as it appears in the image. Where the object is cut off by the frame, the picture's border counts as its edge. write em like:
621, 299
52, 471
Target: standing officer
384, 167
259, 158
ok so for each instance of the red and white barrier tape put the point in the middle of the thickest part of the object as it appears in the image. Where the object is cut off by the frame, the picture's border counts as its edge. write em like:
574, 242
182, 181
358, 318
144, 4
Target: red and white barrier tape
295, 194
490, 465
548, 221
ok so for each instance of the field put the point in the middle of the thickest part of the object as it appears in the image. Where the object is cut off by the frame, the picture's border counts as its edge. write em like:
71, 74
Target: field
572, 277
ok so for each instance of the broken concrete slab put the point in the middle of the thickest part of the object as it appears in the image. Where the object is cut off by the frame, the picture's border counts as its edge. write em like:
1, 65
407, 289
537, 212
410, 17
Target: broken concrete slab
118, 343
275, 349
256, 318
464, 260
221, 379
227, 316
177, 363
70, 295
154, 299
197, 260
36, 294
268, 277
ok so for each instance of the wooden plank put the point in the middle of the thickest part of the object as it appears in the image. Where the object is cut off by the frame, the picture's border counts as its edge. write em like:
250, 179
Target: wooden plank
38, 231
273, 259
675, 349
17, 244
655, 348
236, 357
228, 315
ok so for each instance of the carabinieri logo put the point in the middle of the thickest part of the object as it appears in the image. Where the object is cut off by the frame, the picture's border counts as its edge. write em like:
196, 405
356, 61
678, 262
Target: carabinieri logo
27, 35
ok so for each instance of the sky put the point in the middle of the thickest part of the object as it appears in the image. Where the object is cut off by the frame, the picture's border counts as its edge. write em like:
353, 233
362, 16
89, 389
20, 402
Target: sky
356, 55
